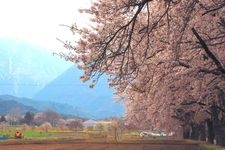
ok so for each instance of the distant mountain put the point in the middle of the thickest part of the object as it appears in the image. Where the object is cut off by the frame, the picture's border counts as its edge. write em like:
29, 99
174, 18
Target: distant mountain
63, 109
33, 72
95, 103
25, 69
10, 105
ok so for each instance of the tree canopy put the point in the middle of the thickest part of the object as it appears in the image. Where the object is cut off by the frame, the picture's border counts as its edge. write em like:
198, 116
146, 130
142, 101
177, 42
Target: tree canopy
164, 57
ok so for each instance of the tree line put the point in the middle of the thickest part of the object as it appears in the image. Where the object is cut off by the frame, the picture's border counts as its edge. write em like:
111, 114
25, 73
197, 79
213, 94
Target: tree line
164, 58
46, 120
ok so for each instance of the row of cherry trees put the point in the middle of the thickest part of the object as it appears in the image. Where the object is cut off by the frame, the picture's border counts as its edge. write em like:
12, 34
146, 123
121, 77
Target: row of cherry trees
165, 58
45, 120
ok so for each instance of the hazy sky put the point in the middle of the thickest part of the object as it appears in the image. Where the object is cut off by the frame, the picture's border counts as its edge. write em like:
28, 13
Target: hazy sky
38, 21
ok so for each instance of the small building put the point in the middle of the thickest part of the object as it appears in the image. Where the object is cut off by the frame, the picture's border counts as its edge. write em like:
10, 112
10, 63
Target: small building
89, 124
103, 125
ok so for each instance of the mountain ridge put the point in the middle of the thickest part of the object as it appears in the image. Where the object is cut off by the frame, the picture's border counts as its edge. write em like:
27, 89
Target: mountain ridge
10, 105
28, 71
25, 68
39, 106
97, 102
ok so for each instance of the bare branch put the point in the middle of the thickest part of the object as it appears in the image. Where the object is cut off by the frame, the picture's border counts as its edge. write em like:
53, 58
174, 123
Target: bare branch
216, 60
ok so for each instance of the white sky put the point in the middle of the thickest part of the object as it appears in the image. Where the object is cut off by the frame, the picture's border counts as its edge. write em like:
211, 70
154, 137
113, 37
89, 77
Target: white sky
38, 21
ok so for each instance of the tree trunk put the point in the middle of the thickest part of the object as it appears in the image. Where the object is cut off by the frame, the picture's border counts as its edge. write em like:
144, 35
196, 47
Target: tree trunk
220, 139
210, 131
115, 134
194, 131
219, 125
186, 132
220, 134
202, 132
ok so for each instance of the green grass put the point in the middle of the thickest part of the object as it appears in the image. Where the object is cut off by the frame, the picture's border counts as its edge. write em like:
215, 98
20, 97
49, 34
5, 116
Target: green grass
133, 133
210, 147
93, 135
205, 146
36, 133
28, 134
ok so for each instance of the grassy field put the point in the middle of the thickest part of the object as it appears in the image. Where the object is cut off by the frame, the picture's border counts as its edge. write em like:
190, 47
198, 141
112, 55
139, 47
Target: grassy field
57, 140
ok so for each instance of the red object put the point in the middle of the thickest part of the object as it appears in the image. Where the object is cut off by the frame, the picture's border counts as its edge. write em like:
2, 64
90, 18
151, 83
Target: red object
18, 135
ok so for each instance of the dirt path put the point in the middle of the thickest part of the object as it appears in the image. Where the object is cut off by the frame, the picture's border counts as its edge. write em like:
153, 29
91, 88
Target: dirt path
68, 145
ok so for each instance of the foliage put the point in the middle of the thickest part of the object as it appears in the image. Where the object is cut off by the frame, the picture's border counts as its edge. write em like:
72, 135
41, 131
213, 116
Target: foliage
14, 116
2, 119
47, 116
46, 126
28, 118
74, 124
164, 58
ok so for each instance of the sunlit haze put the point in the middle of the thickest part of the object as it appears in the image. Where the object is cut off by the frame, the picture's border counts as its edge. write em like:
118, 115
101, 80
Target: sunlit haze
38, 22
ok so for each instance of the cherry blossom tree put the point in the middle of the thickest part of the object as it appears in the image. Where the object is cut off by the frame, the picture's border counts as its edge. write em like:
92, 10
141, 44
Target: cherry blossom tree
46, 126
74, 124
165, 58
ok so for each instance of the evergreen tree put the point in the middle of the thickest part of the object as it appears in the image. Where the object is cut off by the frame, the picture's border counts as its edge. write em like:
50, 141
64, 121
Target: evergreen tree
2, 119
28, 118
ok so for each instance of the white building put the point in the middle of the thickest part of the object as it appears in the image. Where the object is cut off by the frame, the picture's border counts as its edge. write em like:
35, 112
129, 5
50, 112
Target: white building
89, 123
